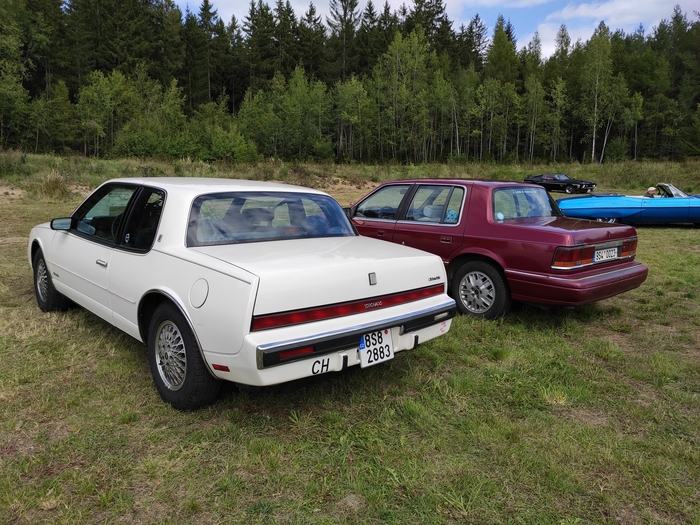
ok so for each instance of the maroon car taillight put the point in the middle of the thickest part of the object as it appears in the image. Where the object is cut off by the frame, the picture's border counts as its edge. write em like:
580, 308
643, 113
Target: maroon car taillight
567, 257
573, 257
277, 320
629, 248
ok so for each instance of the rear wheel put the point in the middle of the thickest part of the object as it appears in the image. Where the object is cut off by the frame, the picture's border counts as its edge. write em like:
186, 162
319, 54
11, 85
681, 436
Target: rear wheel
569, 189
609, 220
48, 299
178, 369
480, 290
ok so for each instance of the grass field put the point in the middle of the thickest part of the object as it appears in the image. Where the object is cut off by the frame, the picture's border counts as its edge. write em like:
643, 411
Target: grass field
561, 416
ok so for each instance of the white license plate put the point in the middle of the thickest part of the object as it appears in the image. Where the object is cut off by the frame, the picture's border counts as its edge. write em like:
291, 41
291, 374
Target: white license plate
604, 255
375, 348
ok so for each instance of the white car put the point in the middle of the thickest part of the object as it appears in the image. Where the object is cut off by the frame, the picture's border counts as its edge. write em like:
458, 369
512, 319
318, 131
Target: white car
250, 282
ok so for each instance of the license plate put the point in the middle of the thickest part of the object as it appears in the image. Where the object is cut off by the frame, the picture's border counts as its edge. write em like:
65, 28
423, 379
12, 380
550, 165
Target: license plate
604, 255
375, 348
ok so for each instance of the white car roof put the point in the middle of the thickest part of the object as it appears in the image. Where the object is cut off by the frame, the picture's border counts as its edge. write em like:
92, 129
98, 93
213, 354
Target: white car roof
198, 185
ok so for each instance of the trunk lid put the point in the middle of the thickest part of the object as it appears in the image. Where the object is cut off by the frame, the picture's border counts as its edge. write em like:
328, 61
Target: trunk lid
569, 231
305, 273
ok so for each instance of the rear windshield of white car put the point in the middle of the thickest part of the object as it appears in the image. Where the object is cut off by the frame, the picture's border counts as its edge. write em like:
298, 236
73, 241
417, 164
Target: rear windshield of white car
242, 217
518, 202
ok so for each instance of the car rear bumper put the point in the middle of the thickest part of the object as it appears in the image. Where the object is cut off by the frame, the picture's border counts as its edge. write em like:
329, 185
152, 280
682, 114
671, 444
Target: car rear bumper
259, 363
575, 289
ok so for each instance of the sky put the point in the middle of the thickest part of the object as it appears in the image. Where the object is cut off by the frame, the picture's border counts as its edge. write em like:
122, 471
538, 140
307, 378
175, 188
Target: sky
526, 16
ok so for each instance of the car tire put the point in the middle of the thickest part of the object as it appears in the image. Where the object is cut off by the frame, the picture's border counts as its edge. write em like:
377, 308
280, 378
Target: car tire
569, 189
609, 220
480, 290
47, 297
178, 369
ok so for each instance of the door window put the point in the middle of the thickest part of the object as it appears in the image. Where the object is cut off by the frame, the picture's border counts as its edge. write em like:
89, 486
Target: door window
140, 230
100, 217
438, 204
383, 203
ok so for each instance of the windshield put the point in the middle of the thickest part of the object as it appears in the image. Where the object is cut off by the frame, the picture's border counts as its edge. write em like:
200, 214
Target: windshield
241, 217
669, 190
519, 201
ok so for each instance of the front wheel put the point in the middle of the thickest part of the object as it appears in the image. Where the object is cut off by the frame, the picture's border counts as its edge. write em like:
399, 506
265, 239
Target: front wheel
178, 369
48, 299
609, 220
569, 189
481, 290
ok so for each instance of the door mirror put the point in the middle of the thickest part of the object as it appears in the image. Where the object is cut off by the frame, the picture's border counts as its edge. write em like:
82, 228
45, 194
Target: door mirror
61, 224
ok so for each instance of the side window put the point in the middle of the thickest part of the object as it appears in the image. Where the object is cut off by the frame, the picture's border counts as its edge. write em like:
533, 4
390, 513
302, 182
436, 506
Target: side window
383, 203
435, 203
101, 215
454, 206
515, 203
140, 231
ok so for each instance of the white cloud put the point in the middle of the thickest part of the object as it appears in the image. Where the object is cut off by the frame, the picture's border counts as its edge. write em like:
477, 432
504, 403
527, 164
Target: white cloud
617, 14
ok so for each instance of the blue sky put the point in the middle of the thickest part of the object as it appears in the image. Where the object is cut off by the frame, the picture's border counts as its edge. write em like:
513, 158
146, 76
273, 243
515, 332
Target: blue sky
526, 16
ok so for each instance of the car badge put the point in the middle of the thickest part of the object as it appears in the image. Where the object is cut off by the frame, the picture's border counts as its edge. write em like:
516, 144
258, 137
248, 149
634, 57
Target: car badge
372, 279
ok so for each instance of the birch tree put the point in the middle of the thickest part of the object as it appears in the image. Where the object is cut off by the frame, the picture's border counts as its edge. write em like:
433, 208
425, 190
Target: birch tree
596, 80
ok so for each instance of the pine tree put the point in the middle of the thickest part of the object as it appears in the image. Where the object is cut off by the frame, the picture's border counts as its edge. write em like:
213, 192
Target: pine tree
286, 38
194, 77
501, 60
472, 44
259, 28
343, 22
312, 43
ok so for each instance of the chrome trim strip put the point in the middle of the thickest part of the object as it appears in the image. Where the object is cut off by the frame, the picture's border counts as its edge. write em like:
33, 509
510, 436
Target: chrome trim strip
354, 330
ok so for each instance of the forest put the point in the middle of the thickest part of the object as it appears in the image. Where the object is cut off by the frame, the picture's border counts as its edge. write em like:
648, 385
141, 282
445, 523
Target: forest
140, 78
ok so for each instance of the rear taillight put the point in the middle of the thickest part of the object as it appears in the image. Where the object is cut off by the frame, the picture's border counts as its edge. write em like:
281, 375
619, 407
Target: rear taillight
568, 257
277, 320
629, 248
573, 257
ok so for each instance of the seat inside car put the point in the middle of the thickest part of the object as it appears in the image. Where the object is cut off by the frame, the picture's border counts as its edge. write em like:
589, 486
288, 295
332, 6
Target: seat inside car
432, 213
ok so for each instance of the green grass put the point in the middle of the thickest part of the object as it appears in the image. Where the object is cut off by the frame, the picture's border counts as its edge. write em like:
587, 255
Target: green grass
561, 416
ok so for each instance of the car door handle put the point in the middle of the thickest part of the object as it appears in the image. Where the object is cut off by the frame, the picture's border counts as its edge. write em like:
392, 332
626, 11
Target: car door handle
102, 263
381, 233
445, 240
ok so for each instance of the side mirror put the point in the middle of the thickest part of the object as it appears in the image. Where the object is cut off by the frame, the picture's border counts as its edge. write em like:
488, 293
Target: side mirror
61, 224
348, 212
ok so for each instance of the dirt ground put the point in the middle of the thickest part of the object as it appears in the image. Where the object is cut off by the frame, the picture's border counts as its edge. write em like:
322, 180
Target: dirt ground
348, 194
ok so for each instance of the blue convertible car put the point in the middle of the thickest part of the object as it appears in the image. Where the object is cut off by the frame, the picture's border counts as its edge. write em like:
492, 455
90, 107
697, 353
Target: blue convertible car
670, 205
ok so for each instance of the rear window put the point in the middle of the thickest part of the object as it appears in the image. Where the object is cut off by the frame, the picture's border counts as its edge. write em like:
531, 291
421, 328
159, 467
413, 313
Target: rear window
242, 217
518, 202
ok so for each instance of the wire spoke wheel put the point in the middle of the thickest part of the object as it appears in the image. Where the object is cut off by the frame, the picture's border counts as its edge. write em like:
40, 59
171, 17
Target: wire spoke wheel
179, 371
42, 281
171, 356
47, 297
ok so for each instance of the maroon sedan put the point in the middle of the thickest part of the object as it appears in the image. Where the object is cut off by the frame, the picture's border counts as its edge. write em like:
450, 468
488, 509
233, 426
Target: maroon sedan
503, 241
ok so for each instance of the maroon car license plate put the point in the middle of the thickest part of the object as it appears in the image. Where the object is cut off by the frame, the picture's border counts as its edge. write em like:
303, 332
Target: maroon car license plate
375, 348
605, 255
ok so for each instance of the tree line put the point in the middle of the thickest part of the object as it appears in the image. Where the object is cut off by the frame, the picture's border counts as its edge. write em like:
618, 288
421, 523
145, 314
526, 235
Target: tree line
141, 78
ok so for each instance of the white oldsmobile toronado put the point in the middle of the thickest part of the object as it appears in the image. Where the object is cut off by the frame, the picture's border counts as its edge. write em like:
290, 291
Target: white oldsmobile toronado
250, 282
